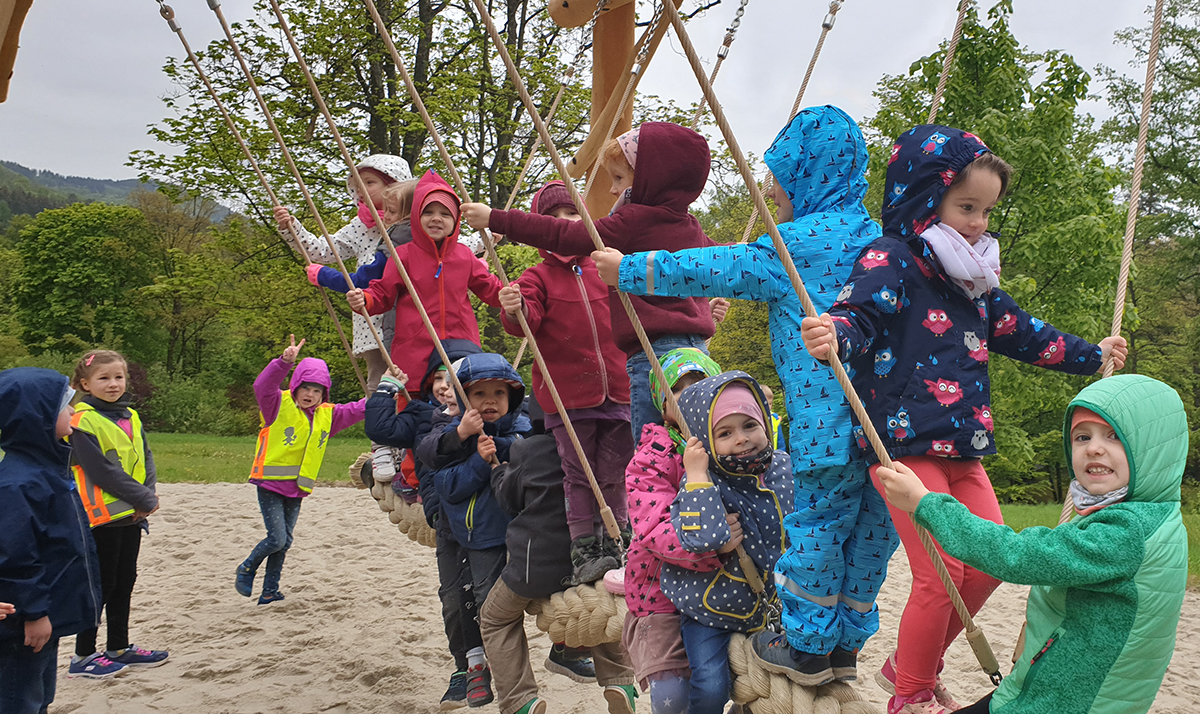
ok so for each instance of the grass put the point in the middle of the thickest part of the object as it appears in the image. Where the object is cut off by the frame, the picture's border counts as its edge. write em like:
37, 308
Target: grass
192, 458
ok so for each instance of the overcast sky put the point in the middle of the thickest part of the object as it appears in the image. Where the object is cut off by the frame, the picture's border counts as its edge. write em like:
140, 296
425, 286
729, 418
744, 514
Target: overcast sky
88, 76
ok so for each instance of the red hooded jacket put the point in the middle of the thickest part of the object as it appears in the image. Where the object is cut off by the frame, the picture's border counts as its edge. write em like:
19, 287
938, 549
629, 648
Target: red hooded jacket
442, 273
672, 168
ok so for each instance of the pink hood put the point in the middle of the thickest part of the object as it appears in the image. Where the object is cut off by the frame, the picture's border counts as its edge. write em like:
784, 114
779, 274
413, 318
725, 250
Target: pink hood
311, 369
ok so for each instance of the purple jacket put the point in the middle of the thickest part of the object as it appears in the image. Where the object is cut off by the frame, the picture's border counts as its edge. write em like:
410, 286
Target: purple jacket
269, 397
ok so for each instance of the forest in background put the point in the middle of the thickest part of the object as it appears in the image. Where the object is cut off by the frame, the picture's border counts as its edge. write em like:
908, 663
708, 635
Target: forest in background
200, 297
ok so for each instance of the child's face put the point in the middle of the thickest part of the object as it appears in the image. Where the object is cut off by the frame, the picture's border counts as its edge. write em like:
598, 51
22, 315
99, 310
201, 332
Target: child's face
437, 221
621, 177
967, 204
490, 398
1098, 458
373, 185
107, 382
308, 396
783, 205
566, 212
62, 427
739, 435
442, 389
391, 213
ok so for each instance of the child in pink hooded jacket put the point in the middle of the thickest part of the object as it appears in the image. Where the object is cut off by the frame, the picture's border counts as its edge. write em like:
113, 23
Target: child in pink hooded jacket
651, 633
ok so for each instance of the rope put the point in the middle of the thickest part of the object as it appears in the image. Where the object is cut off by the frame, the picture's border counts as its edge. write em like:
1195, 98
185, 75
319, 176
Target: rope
730, 36
948, 60
826, 26
581, 616
290, 237
750, 570
770, 693
974, 634
409, 517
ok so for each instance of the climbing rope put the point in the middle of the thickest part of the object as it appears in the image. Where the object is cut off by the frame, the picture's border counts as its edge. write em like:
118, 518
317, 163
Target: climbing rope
730, 36
948, 60
770, 693
750, 570
606, 514
826, 26
290, 237
582, 616
974, 634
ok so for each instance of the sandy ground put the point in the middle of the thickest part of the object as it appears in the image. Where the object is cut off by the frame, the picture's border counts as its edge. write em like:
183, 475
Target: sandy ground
361, 630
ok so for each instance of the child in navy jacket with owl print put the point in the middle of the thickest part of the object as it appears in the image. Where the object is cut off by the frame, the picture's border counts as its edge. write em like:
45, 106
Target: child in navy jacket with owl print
916, 322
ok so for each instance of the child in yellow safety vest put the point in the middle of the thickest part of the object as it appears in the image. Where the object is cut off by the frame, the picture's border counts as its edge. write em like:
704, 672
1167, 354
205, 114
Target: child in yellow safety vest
296, 426
115, 477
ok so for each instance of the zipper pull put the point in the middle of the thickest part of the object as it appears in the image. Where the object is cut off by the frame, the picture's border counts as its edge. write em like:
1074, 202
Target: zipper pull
578, 270
438, 274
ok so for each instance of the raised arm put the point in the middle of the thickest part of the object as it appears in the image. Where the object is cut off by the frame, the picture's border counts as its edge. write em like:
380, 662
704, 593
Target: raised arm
749, 271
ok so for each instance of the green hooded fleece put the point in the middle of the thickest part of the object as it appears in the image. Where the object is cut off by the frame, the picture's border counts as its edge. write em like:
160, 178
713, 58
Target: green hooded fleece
1107, 587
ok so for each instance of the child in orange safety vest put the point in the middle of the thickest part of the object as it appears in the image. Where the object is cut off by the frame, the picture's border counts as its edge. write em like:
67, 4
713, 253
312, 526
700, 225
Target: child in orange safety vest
296, 426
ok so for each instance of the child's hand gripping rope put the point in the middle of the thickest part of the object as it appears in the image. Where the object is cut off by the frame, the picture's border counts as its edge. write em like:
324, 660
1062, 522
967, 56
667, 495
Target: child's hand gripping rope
904, 489
477, 215
510, 299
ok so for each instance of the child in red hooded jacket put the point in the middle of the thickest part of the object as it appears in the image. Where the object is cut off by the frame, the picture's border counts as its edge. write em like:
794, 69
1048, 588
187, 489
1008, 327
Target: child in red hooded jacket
442, 271
651, 214
566, 304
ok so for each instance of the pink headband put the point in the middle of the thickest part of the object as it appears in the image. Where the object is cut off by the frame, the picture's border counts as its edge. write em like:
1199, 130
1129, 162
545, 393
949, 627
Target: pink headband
737, 398
629, 145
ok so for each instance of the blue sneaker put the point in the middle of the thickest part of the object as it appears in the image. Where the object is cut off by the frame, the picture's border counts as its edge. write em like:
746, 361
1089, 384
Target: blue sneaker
269, 597
95, 666
244, 584
575, 664
135, 657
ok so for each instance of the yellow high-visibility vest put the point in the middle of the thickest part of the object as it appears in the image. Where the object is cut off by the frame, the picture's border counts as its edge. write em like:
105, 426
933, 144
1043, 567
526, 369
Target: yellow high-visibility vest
291, 448
119, 448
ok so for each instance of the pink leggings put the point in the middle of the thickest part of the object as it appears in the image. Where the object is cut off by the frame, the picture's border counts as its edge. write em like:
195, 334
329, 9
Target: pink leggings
929, 623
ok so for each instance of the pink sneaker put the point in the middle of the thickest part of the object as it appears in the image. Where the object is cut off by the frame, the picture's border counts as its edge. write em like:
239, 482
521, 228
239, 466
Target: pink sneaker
923, 702
886, 679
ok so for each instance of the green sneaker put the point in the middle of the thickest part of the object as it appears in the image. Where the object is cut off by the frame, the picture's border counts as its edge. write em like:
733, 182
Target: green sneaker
533, 706
620, 698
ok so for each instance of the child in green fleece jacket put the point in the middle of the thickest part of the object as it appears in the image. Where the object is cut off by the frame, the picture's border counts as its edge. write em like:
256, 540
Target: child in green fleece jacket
1108, 585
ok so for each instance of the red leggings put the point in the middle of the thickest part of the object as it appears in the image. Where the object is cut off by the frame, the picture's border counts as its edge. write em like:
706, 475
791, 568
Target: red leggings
929, 623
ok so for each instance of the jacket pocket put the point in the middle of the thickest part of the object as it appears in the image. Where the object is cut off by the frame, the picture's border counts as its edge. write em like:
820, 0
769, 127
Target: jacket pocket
729, 595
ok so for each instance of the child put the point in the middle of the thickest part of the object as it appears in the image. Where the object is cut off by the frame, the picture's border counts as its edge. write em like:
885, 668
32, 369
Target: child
407, 429
915, 321
1107, 586
839, 536
651, 630
566, 306
359, 240
49, 576
736, 491
442, 271
652, 213
530, 490
296, 426
491, 421
115, 476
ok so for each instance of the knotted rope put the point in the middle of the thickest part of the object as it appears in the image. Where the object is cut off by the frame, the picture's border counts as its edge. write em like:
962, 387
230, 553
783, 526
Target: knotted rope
974, 634
290, 237
581, 616
770, 693
410, 517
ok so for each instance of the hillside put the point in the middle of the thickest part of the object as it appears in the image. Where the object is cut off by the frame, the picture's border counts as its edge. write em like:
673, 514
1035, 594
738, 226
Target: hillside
29, 191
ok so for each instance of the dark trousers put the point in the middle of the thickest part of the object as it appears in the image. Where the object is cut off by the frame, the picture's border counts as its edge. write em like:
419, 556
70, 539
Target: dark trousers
980, 707
27, 678
279, 516
117, 548
458, 601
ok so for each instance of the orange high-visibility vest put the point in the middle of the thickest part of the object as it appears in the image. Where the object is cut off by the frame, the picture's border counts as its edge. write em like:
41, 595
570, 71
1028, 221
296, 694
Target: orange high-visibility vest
291, 448
129, 453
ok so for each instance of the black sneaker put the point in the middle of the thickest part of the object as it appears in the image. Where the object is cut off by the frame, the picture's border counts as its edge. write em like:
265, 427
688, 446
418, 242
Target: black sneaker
456, 694
845, 664
479, 686
775, 655
590, 561
572, 663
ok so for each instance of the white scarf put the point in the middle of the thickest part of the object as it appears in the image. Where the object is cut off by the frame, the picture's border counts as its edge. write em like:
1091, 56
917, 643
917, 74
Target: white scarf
974, 269
1086, 502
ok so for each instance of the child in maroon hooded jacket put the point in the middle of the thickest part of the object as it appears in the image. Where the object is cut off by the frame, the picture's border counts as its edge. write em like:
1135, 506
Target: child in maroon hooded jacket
566, 305
442, 271
651, 214
296, 426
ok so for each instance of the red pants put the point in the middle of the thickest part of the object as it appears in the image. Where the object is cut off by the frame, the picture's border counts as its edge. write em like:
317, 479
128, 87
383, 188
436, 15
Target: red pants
929, 623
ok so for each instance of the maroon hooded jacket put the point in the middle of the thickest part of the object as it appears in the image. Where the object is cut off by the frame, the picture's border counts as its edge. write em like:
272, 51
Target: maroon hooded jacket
442, 273
566, 306
672, 168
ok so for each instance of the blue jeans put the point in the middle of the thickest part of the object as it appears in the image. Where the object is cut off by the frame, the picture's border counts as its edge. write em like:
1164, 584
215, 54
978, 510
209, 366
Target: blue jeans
279, 515
27, 679
708, 654
642, 409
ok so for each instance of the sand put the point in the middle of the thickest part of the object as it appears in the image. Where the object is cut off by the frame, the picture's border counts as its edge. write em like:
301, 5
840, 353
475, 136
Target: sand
361, 630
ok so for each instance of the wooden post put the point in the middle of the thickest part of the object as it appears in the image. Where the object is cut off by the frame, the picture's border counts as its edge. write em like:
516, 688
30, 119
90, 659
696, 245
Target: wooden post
612, 41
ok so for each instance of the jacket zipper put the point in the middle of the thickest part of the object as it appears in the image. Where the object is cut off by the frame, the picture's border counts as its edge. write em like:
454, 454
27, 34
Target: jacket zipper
587, 305
471, 517
441, 300
1034, 662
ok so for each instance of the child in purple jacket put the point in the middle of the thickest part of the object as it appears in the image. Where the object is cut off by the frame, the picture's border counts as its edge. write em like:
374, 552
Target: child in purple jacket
296, 426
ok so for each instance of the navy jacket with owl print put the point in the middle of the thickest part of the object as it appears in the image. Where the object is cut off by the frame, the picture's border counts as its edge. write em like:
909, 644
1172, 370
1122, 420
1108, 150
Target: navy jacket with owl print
918, 345
722, 599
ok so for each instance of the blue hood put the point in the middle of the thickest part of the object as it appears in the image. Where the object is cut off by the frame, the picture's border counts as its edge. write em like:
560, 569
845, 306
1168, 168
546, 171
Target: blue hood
924, 162
488, 365
29, 405
820, 160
